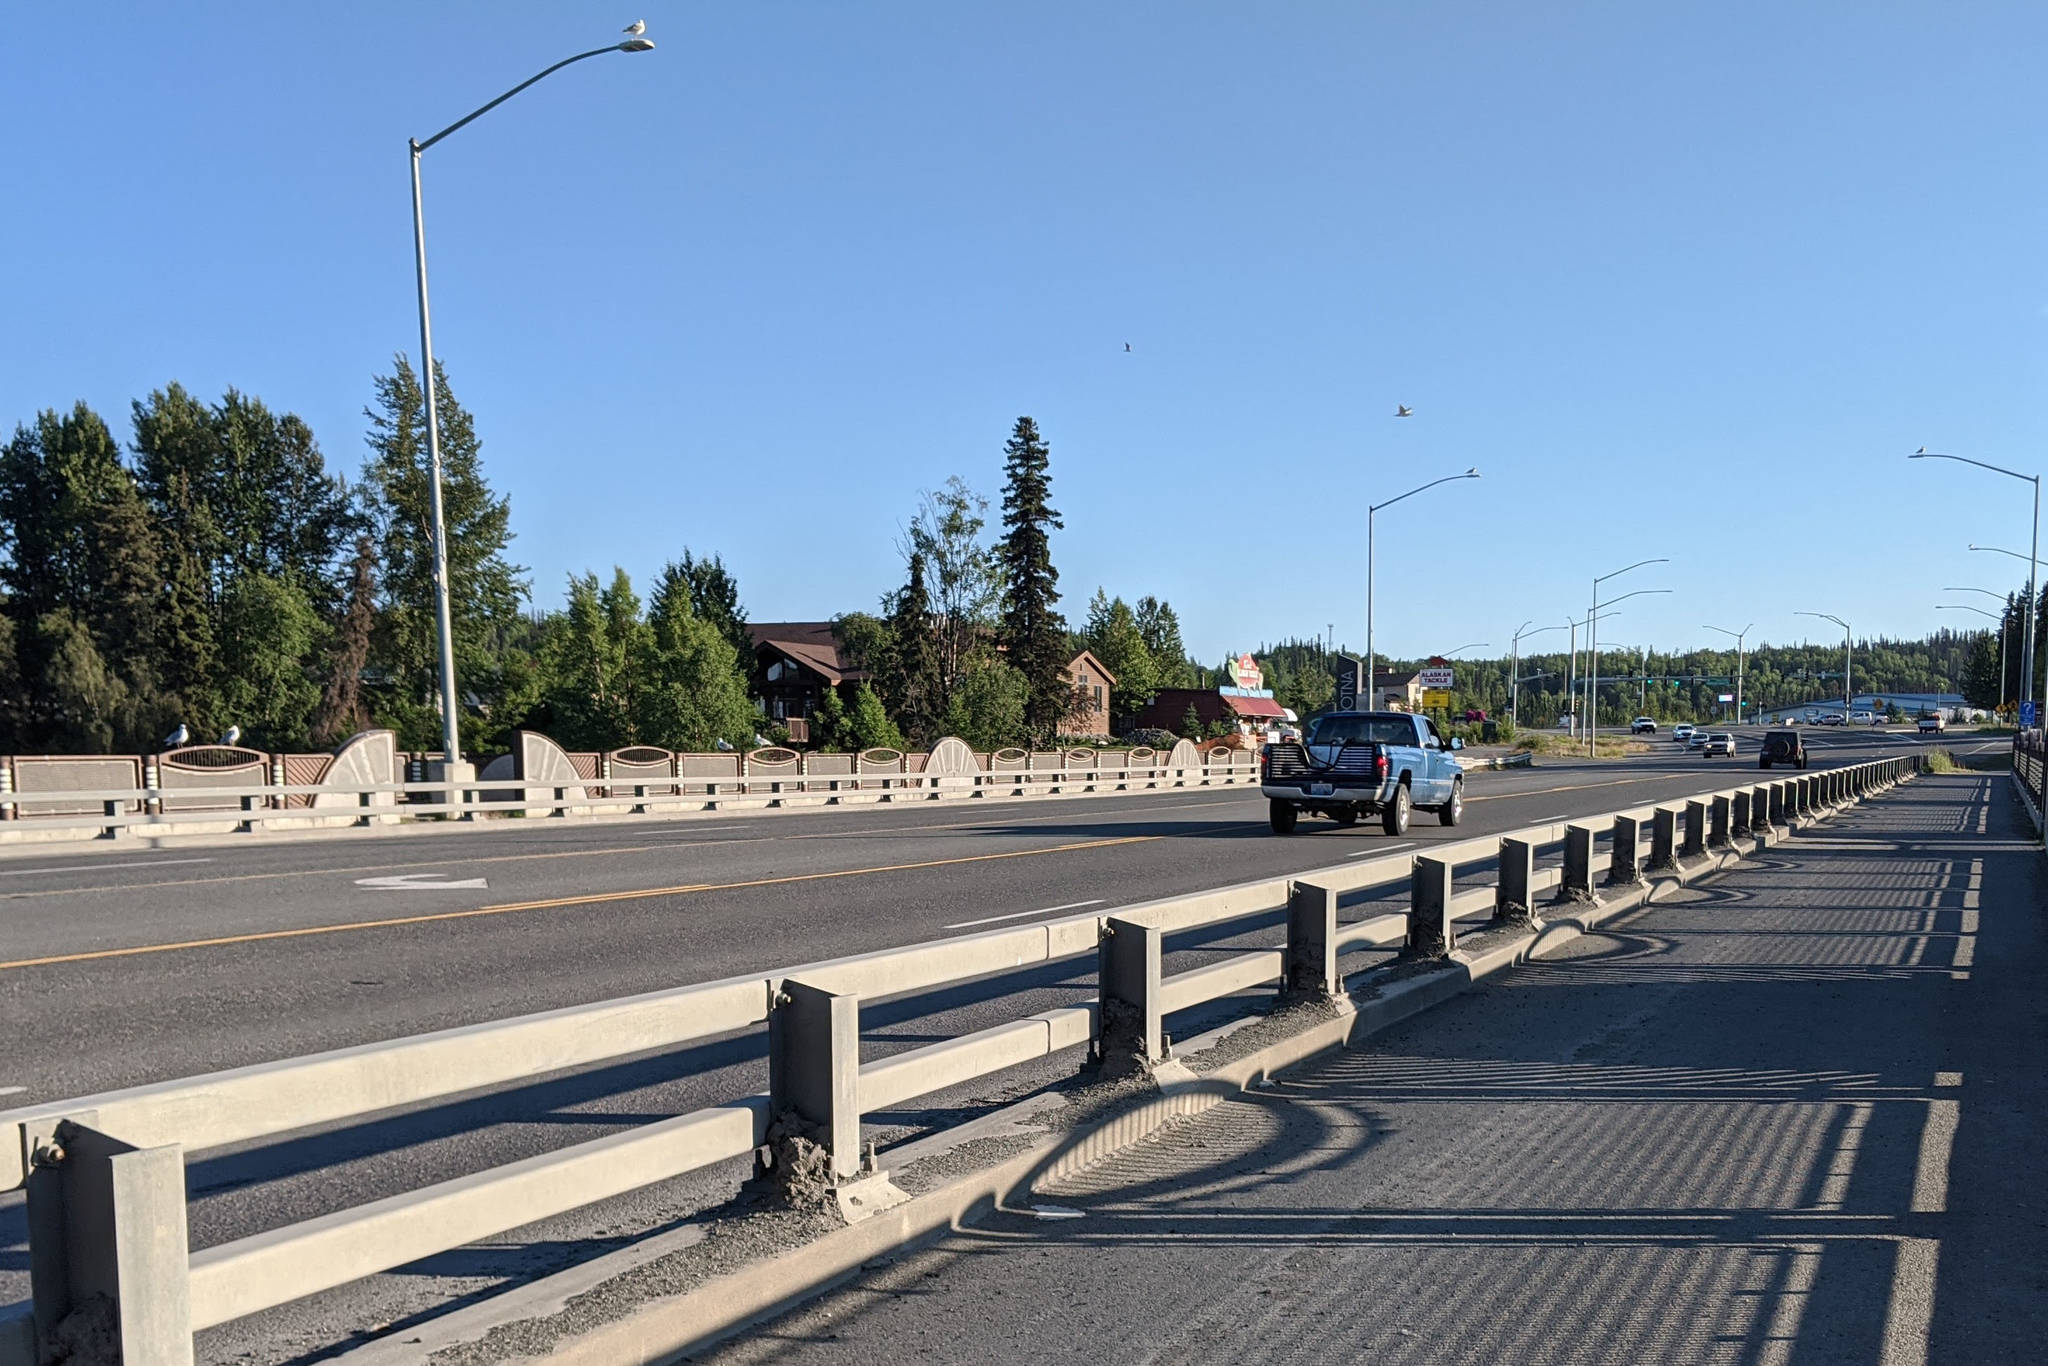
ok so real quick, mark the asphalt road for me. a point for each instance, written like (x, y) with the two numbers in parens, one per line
(131, 968)
(1787, 1116)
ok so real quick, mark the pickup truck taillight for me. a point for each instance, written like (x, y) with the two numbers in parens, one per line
(1379, 766)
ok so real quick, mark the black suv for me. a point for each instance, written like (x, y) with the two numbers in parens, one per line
(1782, 747)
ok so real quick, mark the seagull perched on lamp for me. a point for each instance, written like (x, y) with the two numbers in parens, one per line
(635, 29)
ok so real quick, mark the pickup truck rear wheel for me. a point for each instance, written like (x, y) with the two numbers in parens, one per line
(1453, 811)
(1282, 816)
(1394, 815)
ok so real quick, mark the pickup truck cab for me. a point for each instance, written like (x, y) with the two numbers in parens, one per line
(1643, 725)
(1363, 763)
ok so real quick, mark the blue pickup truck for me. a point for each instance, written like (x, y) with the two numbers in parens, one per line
(1363, 763)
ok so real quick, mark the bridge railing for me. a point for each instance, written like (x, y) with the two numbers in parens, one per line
(105, 1173)
(254, 807)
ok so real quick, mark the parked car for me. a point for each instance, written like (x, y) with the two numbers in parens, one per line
(1682, 732)
(1932, 723)
(1475, 714)
(1782, 747)
(1720, 742)
(1365, 763)
(1830, 718)
(1643, 725)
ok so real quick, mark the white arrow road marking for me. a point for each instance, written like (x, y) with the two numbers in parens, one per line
(420, 882)
(12, 1090)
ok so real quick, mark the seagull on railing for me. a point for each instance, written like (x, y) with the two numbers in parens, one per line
(724, 744)
(231, 736)
(181, 736)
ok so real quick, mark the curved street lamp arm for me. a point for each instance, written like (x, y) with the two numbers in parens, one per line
(1965, 460)
(1376, 507)
(1661, 559)
(1995, 550)
(1985, 591)
(1827, 616)
(1965, 607)
(1601, 607)
(479, 113)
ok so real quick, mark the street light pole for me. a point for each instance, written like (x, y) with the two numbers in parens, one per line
(2027, 614)
(1738, 665)
(2033, 559)
(1515, 669)
(444, 629)
(1848, 648)
(1370, 510)
(1593, 648)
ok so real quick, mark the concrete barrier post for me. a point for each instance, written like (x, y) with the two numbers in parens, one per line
(1130, 1031)
(1760, 808)
(1720, 819)
(1578, 864)
(1742, 817)
(1628, 843)
(1514, 898)
(106, 1226)
(1780, 804)
(1663, 839)
(1430, 931)
(1695, 829)
(1312, 941)
(814, 1071)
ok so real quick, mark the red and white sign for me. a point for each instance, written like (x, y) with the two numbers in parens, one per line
(1249, 676)
(1434, 677)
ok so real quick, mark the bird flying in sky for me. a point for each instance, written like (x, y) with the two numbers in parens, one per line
(1127, 346)
(1403, 410)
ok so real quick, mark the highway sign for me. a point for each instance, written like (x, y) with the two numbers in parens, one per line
(1436, 678)
(1435, 699)
(2027, 715)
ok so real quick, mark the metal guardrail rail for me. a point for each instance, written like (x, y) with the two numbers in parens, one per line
(105, 1173)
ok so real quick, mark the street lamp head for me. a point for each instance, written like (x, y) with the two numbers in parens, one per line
(637, 45)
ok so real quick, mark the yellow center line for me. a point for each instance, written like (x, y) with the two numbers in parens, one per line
(552, 903)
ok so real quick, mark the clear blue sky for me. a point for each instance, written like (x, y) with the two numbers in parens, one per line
(1682, 279)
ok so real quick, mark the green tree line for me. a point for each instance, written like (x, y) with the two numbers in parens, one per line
(216, 575)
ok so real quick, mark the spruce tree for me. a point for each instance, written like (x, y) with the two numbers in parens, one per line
(715, 595)
(868, 725)
(1114, 638)
(1033, 631)
(911, 684)
(341, 712)
(485, 588)
(695, 690)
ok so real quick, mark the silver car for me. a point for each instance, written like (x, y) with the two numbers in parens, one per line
(1720, 742)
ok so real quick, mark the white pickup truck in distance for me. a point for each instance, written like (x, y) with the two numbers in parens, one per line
(1362, 763)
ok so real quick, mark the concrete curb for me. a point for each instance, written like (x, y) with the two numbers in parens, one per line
(670, 1329)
